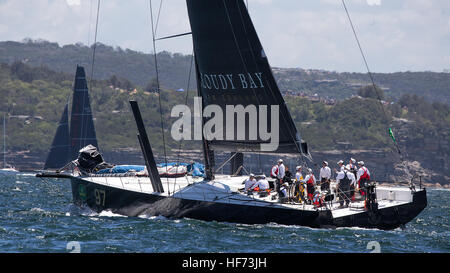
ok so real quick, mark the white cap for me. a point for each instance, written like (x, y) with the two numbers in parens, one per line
(361, 163)
(326, 163)
(353, 160)
(310, 170)
(298, 167)
(280, 160)
(252, 175)
(263, 176)
(340, 162)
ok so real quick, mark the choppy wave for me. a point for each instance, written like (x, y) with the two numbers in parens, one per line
(41, 218)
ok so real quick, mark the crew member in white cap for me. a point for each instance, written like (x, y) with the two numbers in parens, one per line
(250, 183)
(325, 176)
(362, 178)
(298, 174)
(280, 174)
(352, 166)
(262, 184)
(341, 166)
(299, 185)
(345, 179)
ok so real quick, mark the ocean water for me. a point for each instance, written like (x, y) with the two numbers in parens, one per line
(37, 216)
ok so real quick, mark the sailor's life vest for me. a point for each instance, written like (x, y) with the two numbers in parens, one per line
(310, 187)
(365, 175)
(363, 180)
(310, 180)
(317, 201)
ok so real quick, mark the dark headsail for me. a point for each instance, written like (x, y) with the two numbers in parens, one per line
(59, 153)
(82, 131)
(232, 69)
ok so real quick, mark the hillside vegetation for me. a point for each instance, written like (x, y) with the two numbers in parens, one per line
(34, 97)
(139, 69)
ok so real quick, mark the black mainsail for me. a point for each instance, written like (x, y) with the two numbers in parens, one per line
(82, 130)
(59, 153)
(233, 70)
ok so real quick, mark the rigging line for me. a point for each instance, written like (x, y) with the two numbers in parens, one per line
(286, 119)
(68, 123)
(159, 13)
(173, 36)
(367, 67)
(269, 86)
(92, 71)
(237, 45)
(185, 103)
(90, 22)
(158, 86)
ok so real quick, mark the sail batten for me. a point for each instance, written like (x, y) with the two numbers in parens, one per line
(233, 70)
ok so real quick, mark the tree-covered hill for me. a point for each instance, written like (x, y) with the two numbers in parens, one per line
(135, 66)
(33, 99)
(139, 69)
(434, 87)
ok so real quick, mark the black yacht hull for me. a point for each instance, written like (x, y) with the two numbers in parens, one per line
(101, 197)
(130, 203)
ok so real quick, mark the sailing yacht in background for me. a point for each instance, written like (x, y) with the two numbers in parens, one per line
(6, 167)
(69, 140)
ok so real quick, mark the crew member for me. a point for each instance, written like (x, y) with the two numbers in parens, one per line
(280, 174)
(362, 178)
(283, 190)
(310, 181)
(325, 176)
(341, 166)
(287, 176)
(298, 174)
(299, 192)
(262, 184)
(318, 199)
(344, 180)
(250, 183)
(352, 166)
(274, 171)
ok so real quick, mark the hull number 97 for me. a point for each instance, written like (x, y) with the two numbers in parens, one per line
(100, 196)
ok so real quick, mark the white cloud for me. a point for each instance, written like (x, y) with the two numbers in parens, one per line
(374, 2)
(73, 2)
(396, 36)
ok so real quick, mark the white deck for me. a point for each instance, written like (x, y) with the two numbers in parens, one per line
(228, 190)
(142, 184)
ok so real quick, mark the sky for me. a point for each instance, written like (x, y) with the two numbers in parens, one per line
(396, 35)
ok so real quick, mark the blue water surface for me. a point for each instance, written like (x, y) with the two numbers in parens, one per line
(38, 216)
